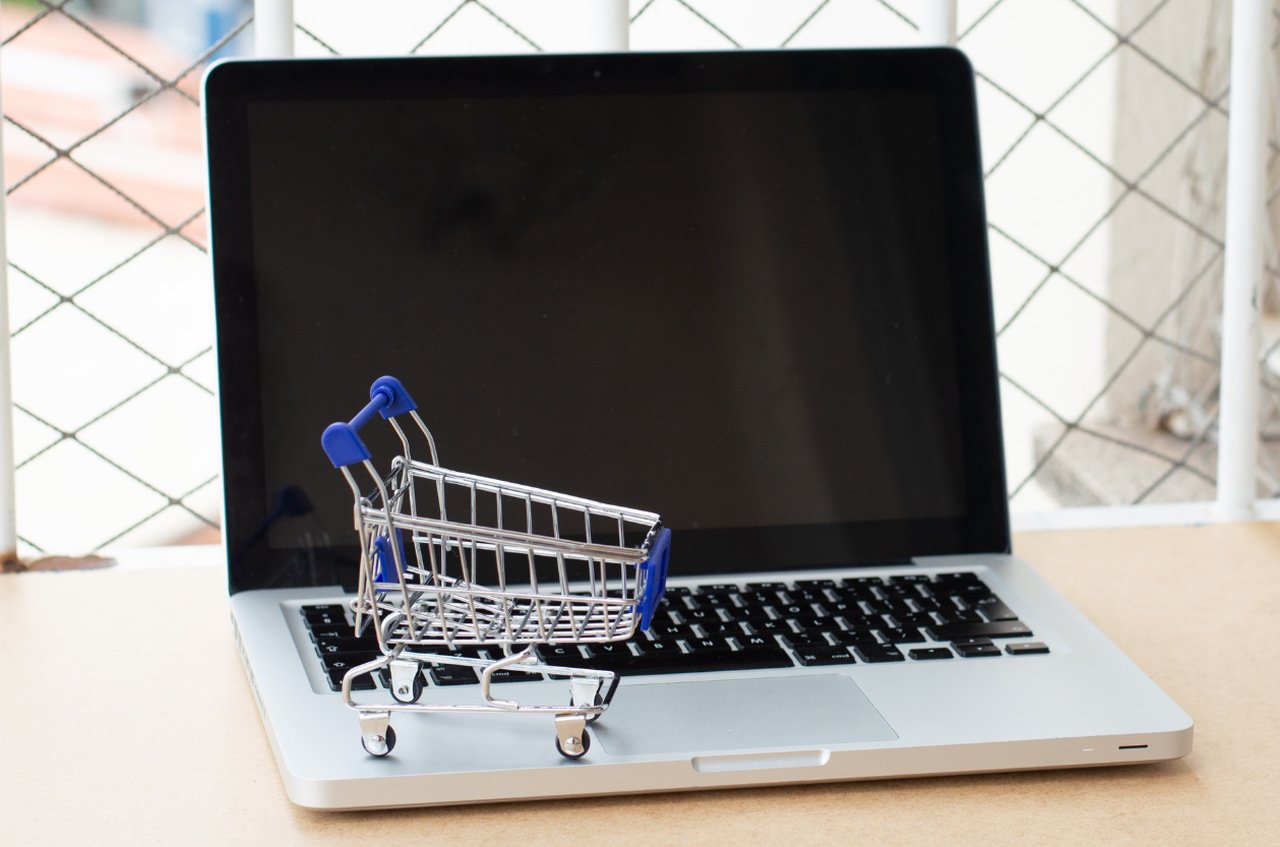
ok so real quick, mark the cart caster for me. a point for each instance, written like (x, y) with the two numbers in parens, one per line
(574, 748)
(572, 739)
(406, 682)
(376, 733)
(379, 745)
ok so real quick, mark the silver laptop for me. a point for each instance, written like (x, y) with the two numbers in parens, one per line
(746, 290)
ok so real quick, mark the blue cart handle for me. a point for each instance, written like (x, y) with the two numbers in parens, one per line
(341, 441)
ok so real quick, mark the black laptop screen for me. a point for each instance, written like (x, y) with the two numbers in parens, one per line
(731, 301)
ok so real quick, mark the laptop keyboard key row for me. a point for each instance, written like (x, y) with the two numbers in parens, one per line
(729, 627)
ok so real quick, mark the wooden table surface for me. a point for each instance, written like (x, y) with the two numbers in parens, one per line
(110, 735)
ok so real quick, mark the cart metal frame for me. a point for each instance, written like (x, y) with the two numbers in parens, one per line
(564, 570)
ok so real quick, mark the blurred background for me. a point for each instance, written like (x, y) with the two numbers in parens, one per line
(1104, 134)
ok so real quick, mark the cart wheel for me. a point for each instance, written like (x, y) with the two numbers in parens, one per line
(388, 743)
(418, 686)
(583, 747)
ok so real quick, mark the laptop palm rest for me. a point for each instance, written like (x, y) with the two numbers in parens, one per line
(795, 712)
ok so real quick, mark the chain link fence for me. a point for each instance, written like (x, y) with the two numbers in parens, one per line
(1104, 138)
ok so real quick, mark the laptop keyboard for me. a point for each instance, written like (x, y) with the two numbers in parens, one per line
(755, 626)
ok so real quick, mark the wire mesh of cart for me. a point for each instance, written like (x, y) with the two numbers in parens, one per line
(452, 561)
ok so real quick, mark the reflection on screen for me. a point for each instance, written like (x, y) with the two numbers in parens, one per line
(732, 309)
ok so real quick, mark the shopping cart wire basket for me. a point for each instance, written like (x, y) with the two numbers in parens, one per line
(451, 561)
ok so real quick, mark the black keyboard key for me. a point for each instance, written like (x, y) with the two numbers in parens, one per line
(506, 675)
(770, 626)
(718, 626)
(767, 586)
(915, 619)
(930, 653)
(958, 577)
(862, 582)
(333, 631)
(815, 583)
(749, 658)
(812, 656)
(561, 654)
(976, 649)
(756, 658)
(966, 616)
(453, 675)
(646, 647)
(994, 610)
(1026, 648)
(609, 650)
(710, 643)
(878, 653)
(328, 613)
(757, 599)
(902, 635)
(324, 609)
(853, 638)
(794, 610)
(363, 682)
(663, 617)
(988, 629)
(927, 604)
(345, 644)
(748, 642)
(815, 623)
(346, 661)
(709, 601)
(672, 631)
(460, 652)
(868, 622)
(898, 608)
(802, 640)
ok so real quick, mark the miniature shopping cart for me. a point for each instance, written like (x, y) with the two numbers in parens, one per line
(452, 562)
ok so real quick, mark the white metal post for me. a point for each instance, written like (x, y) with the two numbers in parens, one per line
(1242, 271)
(273, 29)
(8, 528)
(938, 22)
(591, 26)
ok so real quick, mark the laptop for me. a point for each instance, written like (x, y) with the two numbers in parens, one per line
(748, 291)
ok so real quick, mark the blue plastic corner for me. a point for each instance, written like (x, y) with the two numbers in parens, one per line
(385, 560)
(399, 403)
(655, 568)
(342, 445)
(381, 555)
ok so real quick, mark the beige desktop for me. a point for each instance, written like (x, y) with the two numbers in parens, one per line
(109, 735)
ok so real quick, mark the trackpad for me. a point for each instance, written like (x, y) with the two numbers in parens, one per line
(739, 714)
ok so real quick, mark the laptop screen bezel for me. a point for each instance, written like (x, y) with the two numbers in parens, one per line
(231, 87)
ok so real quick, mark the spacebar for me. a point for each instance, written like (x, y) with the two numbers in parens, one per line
(707, 660)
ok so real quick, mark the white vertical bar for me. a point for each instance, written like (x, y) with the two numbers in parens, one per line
(273, 29)
(938, 22)
(1245, 208)
(8, 529)
(591, 26)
